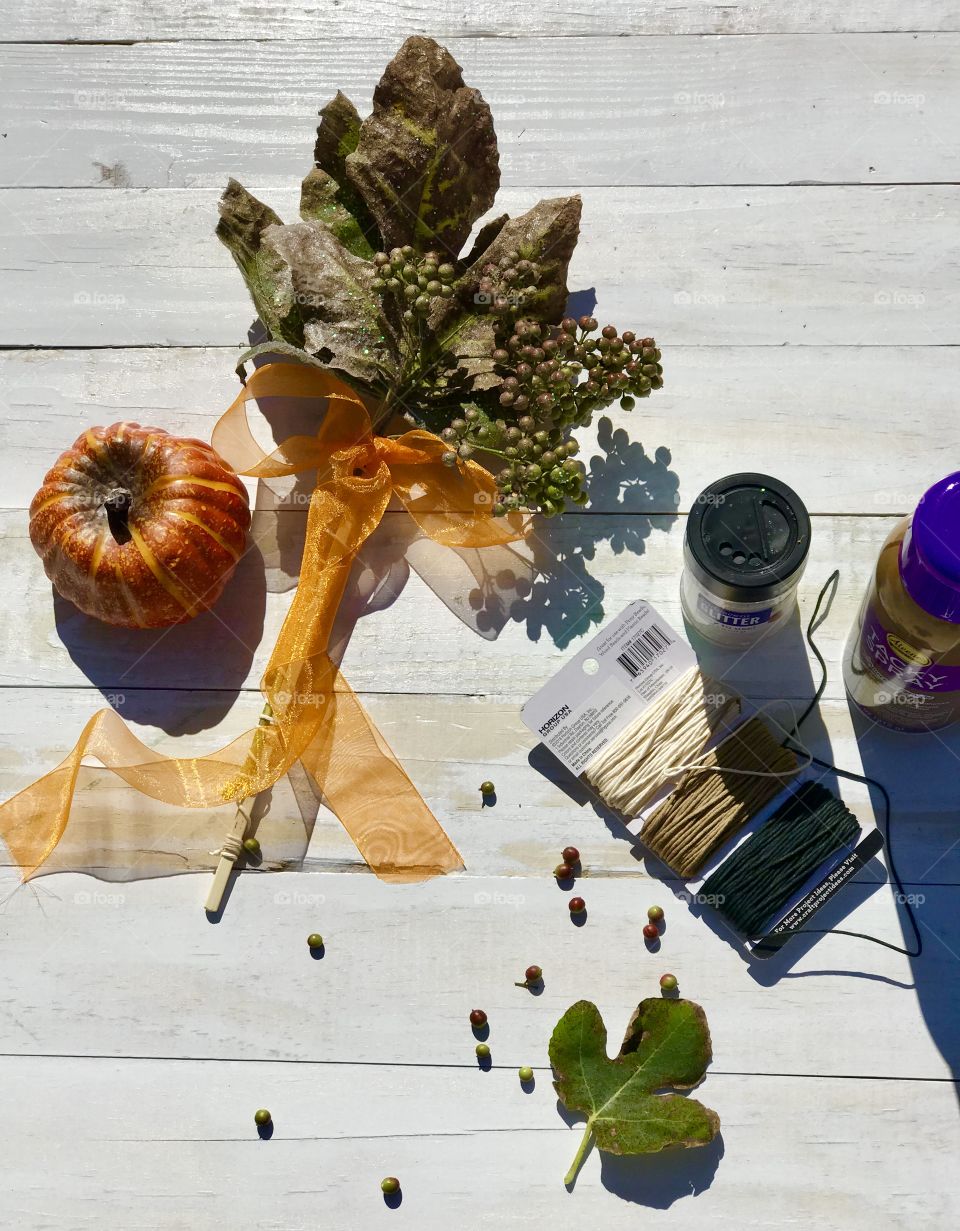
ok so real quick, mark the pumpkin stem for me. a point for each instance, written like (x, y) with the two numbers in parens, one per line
(118, 504)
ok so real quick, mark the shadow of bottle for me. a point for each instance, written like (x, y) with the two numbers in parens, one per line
(919, 772)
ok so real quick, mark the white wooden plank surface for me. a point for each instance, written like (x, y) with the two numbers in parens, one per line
(593, 566)
(783, 109)
(809, 331)
(448, 745)
(403, 967)
(470, 1149)
(713, 266)
(797, 412)
(128, 20)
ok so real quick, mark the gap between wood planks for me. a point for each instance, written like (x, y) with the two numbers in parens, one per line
(553, 186)
(478, 35)
(429, 1064)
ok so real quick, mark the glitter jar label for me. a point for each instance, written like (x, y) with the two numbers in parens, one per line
(902, 663)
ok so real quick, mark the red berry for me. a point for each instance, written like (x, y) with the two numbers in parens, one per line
(577, 906)
(533, 974)
(651, 932)
(570, 854)
(668, 983)
(478, 1017)
(563, 872)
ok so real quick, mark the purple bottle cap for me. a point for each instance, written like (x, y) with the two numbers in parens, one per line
(930, 552)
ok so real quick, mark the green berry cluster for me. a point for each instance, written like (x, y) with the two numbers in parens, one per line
(568, 373)
(540, 472)
(508, 285)
(413, 280)
(551, 380)
(470, 431)
(546, 379)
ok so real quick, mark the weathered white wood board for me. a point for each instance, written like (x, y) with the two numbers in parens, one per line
(405, 640)
(709, 266)
(404, 966)
(809, 330)
(448, 745)
(875, 108)
(143, 1147)
(171, 20)
(795, 412)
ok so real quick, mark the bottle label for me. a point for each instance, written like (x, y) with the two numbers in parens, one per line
(911, 667)
(898, 683)
(732, 619)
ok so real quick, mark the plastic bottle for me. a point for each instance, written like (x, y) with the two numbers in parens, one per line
(902, 662)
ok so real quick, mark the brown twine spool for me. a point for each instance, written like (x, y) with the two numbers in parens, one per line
(717, 797)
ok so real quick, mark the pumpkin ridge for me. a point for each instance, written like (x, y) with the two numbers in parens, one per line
(165, 480)
(51, 500)
(160, 573)
(127, 595)
(195, 521)
(97, 553)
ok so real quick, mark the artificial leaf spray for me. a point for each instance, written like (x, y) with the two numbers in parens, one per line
(375, 283)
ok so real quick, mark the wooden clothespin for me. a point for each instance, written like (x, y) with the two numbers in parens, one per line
(233, 842)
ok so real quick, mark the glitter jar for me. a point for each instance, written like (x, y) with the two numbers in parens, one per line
(744, 553)
(902, 662)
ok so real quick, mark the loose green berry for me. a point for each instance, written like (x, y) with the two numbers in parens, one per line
(262, 1117)
(483, 1051)
(390, 1185)
(654, 913)
(525, 1072)
(251, 846)
(668, 983)
(315, 940)
(478, 1018)
(487, 788)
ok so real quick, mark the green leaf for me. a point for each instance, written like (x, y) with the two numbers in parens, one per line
(243, 221)
(667, 1045)
(332, 288)
(426, 164)
(326, 195)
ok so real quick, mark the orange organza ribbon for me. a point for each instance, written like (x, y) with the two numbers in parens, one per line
(317, 718)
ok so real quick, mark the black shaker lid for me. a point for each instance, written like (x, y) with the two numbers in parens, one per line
(747, 538)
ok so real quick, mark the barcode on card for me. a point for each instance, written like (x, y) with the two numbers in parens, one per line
(643, 649)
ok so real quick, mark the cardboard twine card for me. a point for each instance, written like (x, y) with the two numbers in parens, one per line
(607, 684)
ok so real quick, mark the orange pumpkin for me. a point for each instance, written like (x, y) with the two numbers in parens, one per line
(138, 527)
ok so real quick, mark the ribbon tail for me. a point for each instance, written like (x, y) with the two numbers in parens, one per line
(326, 727)
(374, 799)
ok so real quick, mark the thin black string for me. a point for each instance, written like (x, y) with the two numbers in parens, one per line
(820, 613)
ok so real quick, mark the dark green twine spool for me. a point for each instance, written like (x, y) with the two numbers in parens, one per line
(759, 878)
